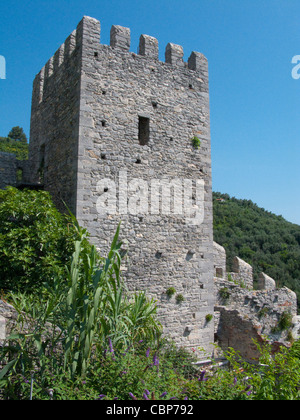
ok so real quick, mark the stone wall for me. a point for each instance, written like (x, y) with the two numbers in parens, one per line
(8, 170)
(53, 148)
(113, 128)
(243, 314)
(219, 261)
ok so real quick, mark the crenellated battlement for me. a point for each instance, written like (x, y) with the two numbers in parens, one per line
(88, 32)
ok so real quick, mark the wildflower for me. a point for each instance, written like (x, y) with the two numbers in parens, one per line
(132, 396)
(235, 381)
(147, 392)
(110, 346)
(141, 341)
(101, 396)
(202, 376)
(155, 360)
(145, 396)
(163, 394)
(148, 352)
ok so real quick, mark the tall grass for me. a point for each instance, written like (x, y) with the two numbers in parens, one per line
(79, 316)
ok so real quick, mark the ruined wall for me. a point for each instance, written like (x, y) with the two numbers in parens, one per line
(243, 314)
(8, 170)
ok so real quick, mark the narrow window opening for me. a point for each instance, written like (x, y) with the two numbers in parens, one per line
(103, 123)
(103, 156)
(95, 54)
(154, 104)
(41, 170)
(138, 161)
(103, 92)
(105, 189)
(144, 130)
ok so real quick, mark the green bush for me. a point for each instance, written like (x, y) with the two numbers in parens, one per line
(170, 292)
(196, 142)
(82, 319)
(36, 240)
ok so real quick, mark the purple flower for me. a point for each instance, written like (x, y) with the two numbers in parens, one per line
(145, 396)
(101, 396)
(132, 396)
(141, 341)
(163, 394)
(110, 346)
(235, 381)
(155, 360)
(148, 352)
(202, 376)
(186, 398)
(147, 392)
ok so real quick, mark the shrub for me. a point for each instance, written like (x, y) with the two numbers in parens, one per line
(224, 293)
(95, 314)
(36, 240)
(170, 292)
(209, 317)
(196, 142)
(179, 298)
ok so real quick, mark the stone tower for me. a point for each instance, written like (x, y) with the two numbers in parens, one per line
(111, 136)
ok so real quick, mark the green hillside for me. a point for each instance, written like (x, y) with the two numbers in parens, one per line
(266, 241)
(16, 143)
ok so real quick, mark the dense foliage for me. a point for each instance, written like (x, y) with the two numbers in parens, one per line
(36, 241)
(266, 241)
(82, 335)
(16, 143)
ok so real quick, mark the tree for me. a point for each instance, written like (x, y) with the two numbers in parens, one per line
(17, 134)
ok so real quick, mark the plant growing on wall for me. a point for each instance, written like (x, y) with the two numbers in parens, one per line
(179, 298)
(196, 142)
(170, 292)
(224, 293)
(209, 317)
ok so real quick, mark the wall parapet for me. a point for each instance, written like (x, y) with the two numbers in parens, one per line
(88, 32)
(238, 307)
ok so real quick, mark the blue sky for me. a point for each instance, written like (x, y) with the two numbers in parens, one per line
(255, 102)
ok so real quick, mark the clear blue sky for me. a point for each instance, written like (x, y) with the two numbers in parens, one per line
(255, 103)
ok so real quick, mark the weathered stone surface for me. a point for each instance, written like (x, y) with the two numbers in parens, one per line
(219, 261)
(8, 170)
(244, 272)
(243, 314)
(108, 124)
(2, 328)
(265, 282)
